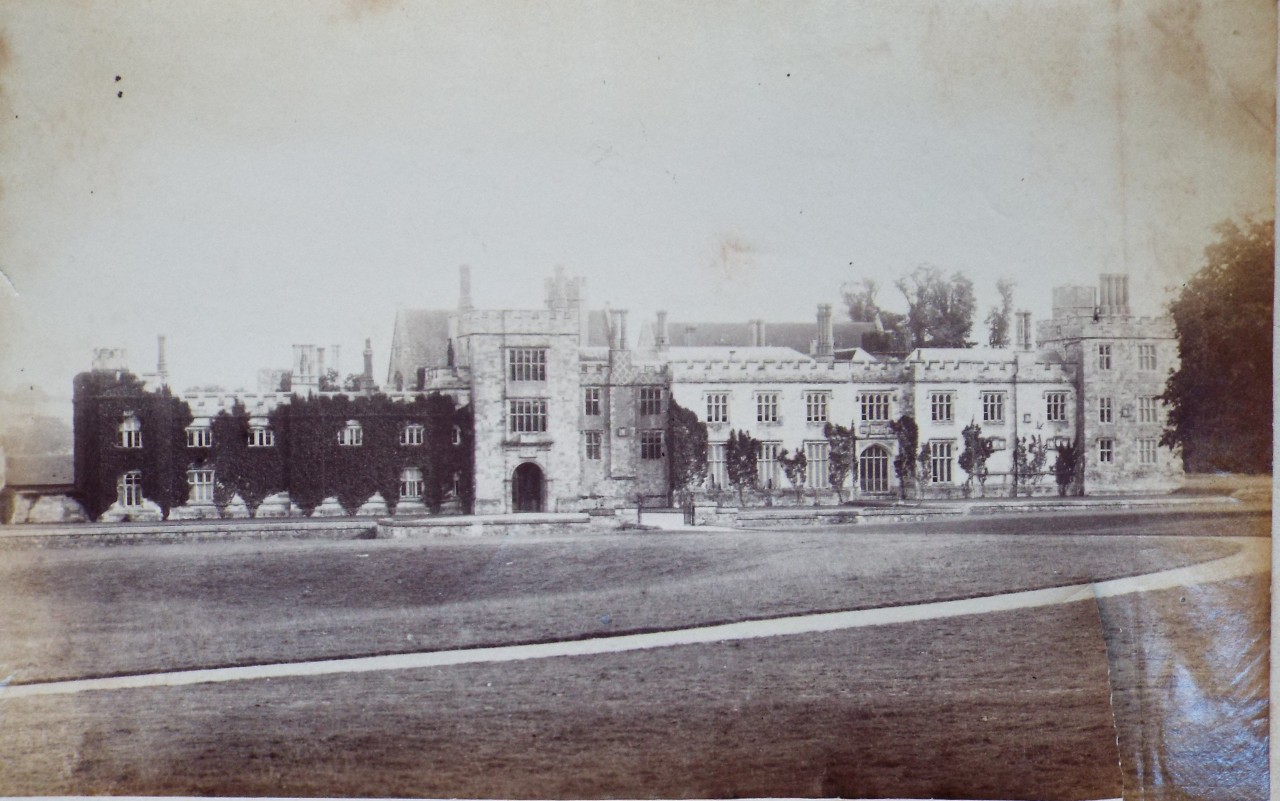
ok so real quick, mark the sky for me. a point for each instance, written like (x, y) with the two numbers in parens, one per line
(244, 176)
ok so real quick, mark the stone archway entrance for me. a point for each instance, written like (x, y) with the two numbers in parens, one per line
(527, 487)
(873, 470)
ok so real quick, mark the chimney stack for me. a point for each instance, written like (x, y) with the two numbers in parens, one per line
(1114, 294)
(757, 333)
(464, 287)
(162, 367)
(1024, 331)
(320, 365)
(618, 329)
(826, 346)
(368, 362)
(660, 335)
(336, 350)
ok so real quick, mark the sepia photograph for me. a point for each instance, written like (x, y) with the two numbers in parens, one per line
(637, 400)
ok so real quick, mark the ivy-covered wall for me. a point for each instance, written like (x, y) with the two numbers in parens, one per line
(306, 460)
(102, 401)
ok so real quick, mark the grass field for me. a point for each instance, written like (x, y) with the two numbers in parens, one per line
(1009, 705)
(143, 608)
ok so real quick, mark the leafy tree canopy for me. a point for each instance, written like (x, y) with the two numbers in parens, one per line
(999, 317)
(1219, 399)
(939, 309)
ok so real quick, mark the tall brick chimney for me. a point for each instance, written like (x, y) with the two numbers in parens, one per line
(1114, 294)
(618, 329)
(660, 340)
(1023, 341)
(825, 351)
(162, 367)
(464, 287)
(757, 333)
(368, 361)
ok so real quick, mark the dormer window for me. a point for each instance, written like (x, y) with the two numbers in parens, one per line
(351, 435)
(129, 434)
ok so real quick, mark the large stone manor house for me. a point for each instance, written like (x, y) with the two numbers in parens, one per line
(571, 413)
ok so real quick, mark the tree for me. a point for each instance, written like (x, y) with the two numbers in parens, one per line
(794, 467)
(687, 451)
(1219, 398)
(939, 309)
(740, 456)
(999, 316)
(1038, 450)
(926, 471)
(1019, 461)
(973, 459)
(329, 381)
(1066, 466)
(842, 444)
(904, 461)
(861, 301)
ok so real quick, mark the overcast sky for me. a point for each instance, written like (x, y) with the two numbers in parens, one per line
(279, 173)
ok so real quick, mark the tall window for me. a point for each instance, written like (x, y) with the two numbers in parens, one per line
(1106, 449)
(873, 469)
(718, 407)
(1104, 410)
(201, 482)
(650, 401)
(411, 484)
(591, 401)
(875, 407)
(1146, 357)
(941, 407)
(199, 437)
(651, 444)
(767, 407)
(527, 364)
(591, 440)
(1104, 357)
(815, 407)
(1056, 407)
(351, 435)
(1147, 449)
(1148, 410)
(717, 475)
(527, 416)
(815, 474)
(767, 465)
(993, 407)
(129, 434)
(412, 434)
(129, 489)
(261, 437)
(940, 462)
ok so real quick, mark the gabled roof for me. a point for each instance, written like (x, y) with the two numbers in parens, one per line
(421, 339)
(597, 328)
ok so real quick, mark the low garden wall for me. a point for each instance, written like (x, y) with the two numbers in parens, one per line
(485, 525)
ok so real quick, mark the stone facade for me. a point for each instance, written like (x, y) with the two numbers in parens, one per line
(569, 417)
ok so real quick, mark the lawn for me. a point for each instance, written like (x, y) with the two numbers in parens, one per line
(1008, 705)
(102, 611)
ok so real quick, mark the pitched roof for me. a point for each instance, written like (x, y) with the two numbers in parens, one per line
(597, 328)
(421, 339)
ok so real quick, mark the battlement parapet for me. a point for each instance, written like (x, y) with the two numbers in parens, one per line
(723, 370)
(1084, 327)
(519, 321)
(989, 371)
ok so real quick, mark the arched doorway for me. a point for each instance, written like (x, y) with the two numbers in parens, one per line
(526, 488)
(873, 469)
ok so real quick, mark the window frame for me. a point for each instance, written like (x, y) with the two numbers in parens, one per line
(873, 406)
(199, 437)
(649, 401)
(1106, 450)
(527, 415)
(593, 445)
(408, 481)
(717, 408)
(351, 435)
(527, 364)
(129, 432)
(200, 491)
(1147, 359)
(652, 444)
(1055, 409)
(129, 489)
(592, 398)
(942, 401)
(1106, 410)
(993, 406)
(260, 436)
(1104, 355)
(413, 435)
(817, 403)
(768, 405)
(941, 454)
